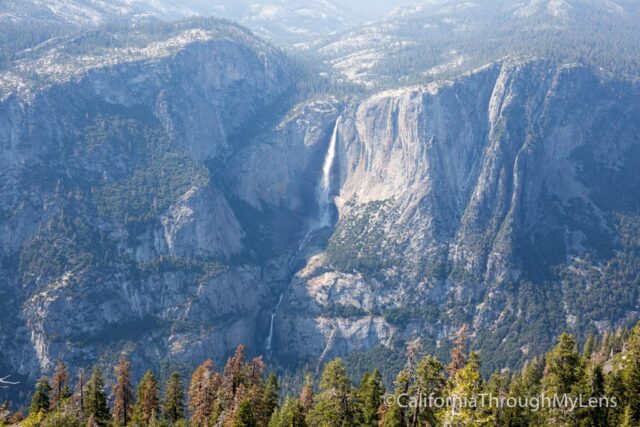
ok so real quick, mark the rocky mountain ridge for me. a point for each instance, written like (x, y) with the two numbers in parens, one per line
(105, 188)
(476, 201)
(159, 197)
(431, 41)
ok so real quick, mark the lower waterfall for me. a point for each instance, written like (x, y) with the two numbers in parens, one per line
(323, 199)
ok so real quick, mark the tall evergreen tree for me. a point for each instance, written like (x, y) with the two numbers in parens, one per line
(562, 375)
(631, 374)
(563, 367)
(306, 394)
(269, 400)
(147, 407)
(614, 389)
(78, 397)
(59, 385)
(95, 401)
(202, 390)
(597, 417)
(369, 399)
(458, 355)
(290, 415)
(173, 402)
(40, 400)
(467, 385)
(244, 416)
(524, 384)
(397, 415)
(334, 406)
(590, 345)
(498, 386)
(122, 394)
(234, 376)
(429, 381)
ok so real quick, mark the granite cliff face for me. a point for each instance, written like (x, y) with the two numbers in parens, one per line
(116, 232)
(159, 195)
(482, 200)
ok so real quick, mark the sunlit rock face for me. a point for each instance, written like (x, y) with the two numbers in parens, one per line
(160, 196)
(484, 200)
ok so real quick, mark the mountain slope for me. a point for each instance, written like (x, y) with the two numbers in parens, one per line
(445, 38)
(281, 21)
(115, 231)
(499, 199)
(164, 189)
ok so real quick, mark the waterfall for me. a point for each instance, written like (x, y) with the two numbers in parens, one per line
(273, 317)
(323, 195)
(324, 189)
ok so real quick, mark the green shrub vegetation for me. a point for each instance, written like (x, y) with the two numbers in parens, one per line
(159, 173)
(358, 242)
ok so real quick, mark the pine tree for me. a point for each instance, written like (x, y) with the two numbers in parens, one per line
(526, 383)
(562, 369)
(95, 401)
(40, 399)
(202, 391)
(59, 386)
(429, 381)
(244, 416)
(458, 356)
(79, 393)
(631, 374)
(614, 389)
(369, 399)
(255, 372)
(122, 393)
(597, 417)
(589, 347)
(515, 416)
(562, 375)
(306, 394)
(147, 406)
(532, 375)
(334, 404)
(269, 399)
(290, 415)
(498, 386)
(397, 415)
(173, 403)
(627, 419)
(467, 385)
(234, 376)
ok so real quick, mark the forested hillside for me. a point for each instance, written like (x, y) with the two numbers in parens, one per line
(597, 386)
(171, 190)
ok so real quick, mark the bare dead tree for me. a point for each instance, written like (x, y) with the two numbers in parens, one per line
(414, 349)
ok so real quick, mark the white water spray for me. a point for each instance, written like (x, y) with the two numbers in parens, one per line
(324, 189)
(273, 318)
(323, 194)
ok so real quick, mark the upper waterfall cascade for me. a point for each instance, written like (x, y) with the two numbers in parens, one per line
(324, 189)
(323, 194)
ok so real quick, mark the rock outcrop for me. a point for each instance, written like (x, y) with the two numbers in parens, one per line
(117, 234)
(480, 200)
(158, 196)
